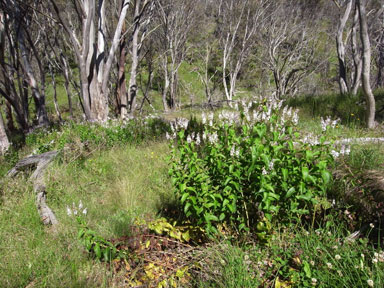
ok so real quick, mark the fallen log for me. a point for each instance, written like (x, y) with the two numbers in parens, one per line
(365, 140)
(40, 163)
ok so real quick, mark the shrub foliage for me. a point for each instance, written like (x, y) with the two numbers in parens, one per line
(245, 170)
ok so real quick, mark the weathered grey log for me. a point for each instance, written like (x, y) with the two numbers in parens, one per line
(40, 162)
(365, 140)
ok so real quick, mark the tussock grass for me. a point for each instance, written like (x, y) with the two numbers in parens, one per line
(116, 186)
(330, 259)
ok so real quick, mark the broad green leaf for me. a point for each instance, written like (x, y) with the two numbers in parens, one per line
(290, 192)
(97, 250)
(210, 217)
(307, 269)
(184, 197)
(186, 207)
(326, 176)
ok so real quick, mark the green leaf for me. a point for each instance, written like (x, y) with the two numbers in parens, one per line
(97, 250)
(273, 195)
(307, 269)
(285, 173)
(306, 197)
(184, 197)
(326, 176)
(209, 217)
(81, 233)
(242, 227)
(182, 187)
(185, 235)
(290, 192)
(186, 207)
(107, 254)
(305, 172)
(269, 187)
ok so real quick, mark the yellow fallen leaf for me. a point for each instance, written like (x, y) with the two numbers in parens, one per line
(282, 284)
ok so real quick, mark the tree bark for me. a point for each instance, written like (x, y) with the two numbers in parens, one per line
(370, 99)
(357, 63)
(93, 60)
(42, 116)
(343, 83)
(166, 84)
(380, 74)
(57, 109)
(66, 73)
(4, 142)
(135, 59)
(122, 97)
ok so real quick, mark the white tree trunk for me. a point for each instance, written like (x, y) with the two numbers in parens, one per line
(135, 59)
(370, 99)
(4, 143)
(166, 84)
(93, 61)
(358, 64)
(341, 48)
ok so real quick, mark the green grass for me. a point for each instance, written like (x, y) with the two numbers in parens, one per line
(116, 186)
(325, 254)
(120, 182)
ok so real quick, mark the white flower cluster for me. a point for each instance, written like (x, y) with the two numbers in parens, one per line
(194, 137)
(344, 150)
(311, 139)
(257, 110)
(267, 170)
(76, 210)
(123, 123)
(328, 123)
(229, 117)
(378, 257)
(207, 118)
(235, 152)
(177, 125)
(262, 111)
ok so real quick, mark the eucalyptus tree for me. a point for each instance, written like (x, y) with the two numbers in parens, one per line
(288, 46)
(85, 23)
(4, 142)
(142, 17)
(370, 99)
(175, 19)
(238, 23)
(345, 7)
(15, 82)
(377, 32)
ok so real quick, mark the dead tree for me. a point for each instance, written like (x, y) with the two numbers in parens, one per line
(345, 7)
(20, 24)
(175, 19)
(207, 76)
(21, 63)
(93, 59)
(370, 99)
(238, 23)
(4, 142)
(288, 47)
(356, 54)
(12, 78)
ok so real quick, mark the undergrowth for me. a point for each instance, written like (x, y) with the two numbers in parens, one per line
(134, 231)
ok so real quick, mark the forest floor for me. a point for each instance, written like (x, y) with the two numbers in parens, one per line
(125, 186)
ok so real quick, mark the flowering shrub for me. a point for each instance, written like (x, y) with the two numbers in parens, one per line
(247, 169)
(109, 134)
